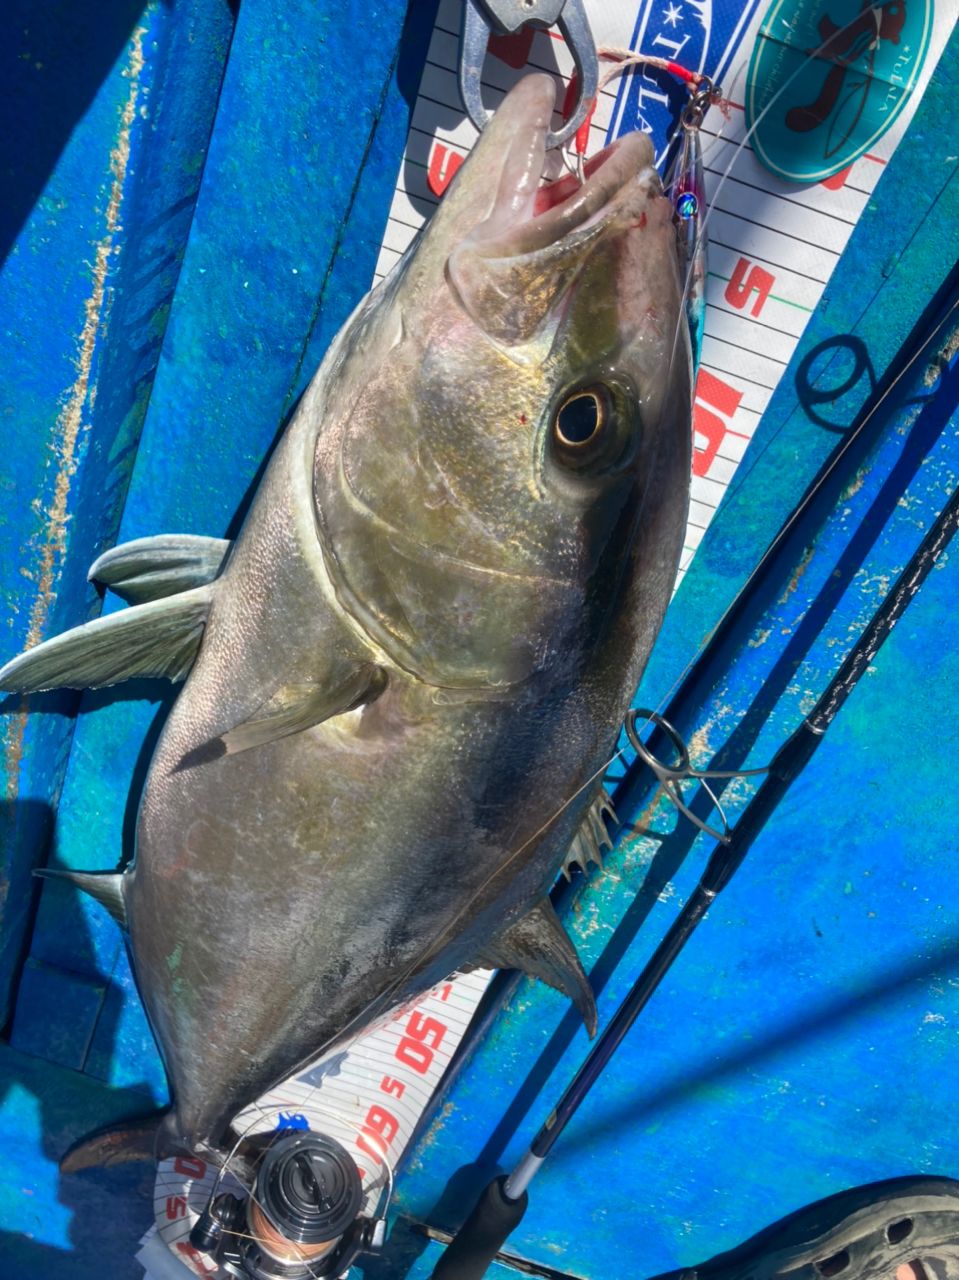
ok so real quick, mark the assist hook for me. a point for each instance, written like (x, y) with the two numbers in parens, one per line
(484, 18)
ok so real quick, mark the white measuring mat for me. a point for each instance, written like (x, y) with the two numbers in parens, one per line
(772, 248)
(772, 244)
(368, 1094)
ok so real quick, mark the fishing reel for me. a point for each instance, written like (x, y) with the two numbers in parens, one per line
(301, 1221)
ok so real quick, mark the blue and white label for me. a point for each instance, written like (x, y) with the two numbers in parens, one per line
(699, 35)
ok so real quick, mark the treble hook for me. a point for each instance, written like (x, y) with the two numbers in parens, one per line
(484, 18)
(671, 775)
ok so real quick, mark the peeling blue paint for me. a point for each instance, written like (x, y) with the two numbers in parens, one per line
(807, 1039)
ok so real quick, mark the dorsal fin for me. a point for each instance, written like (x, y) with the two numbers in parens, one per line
(151, 568)
(538, 945)
(105, 886)
(156, 639)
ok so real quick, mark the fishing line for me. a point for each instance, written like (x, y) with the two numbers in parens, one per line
(625, 60)
(636, 58)
(653, 717)
(437, 944)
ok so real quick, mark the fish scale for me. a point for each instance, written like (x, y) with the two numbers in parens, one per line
(394, 725)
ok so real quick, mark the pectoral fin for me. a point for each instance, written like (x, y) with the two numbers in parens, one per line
(539, 946)
(293, 708)
(105, 886)
(151, 568)
(160, 638)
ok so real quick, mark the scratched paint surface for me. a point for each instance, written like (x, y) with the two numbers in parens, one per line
(250, 319)
(770, 1068)
(241, 341)
(90, 267)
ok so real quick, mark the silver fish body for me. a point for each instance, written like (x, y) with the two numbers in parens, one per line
(411, 668)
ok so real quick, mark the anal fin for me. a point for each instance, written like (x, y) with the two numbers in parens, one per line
(153, 568)
(130, 1141)
(539, 946)
(105, 886)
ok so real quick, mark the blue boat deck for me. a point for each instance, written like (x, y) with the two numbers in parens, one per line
(181, 256)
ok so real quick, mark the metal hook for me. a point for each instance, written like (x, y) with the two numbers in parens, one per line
(670, 776)
(485, 17)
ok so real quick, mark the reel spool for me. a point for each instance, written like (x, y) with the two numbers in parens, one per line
(302, 1220)
(366, 1096)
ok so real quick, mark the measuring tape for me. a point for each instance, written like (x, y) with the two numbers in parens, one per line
(368, 1094)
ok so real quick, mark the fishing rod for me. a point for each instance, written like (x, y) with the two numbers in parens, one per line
(503, 1203)
(850, 453)
(498, 1212)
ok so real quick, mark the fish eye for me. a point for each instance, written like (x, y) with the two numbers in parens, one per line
(594, 429)
(582, 417)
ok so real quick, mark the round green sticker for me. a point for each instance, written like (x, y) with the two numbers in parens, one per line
(828, 77)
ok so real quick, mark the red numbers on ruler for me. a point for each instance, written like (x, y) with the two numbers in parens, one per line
(188, 1167)
(746, 280)
(422, 1037)
(394, 1087)
(443, 165)
(382, 1123)
(379, 1129)
(202, 1264)
(707, 424)
(418, 1046)
(175, 1207)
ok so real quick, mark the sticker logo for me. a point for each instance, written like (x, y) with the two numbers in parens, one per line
(828, 77)
(700, 35)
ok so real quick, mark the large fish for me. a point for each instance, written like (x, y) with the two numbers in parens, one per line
(405, 677)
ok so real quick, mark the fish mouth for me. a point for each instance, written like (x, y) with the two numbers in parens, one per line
(530, 214)
(514, 271)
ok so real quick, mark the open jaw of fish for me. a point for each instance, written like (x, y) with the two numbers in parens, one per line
(404, 679)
